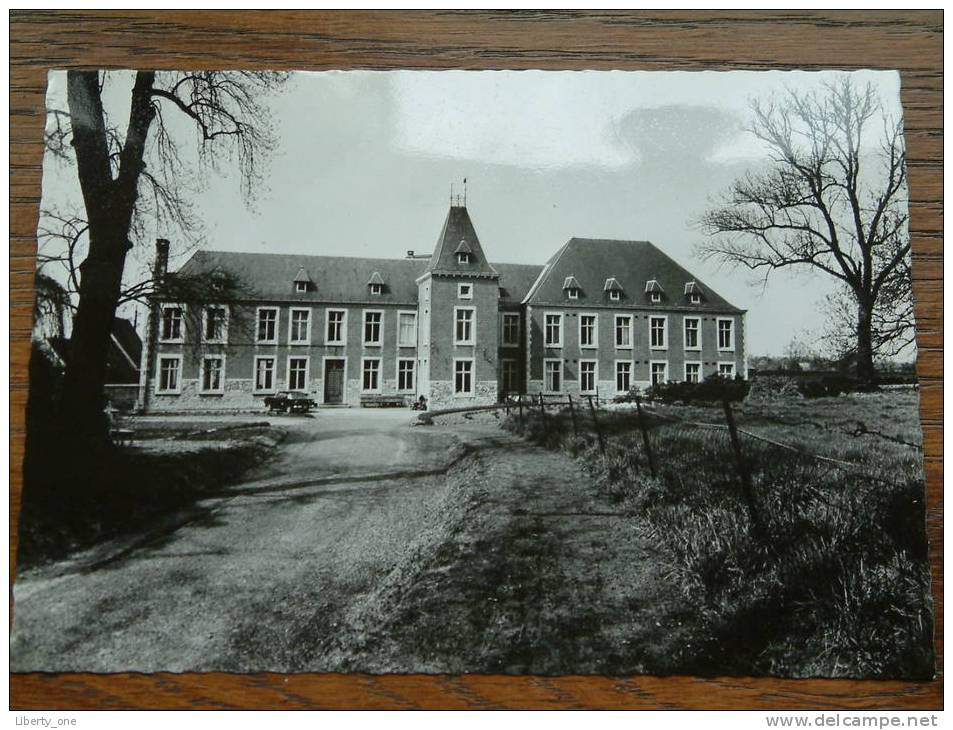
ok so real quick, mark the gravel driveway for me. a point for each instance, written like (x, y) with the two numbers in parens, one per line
(278, 556)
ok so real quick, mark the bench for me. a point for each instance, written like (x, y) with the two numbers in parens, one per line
(383, 401)
(121, 436)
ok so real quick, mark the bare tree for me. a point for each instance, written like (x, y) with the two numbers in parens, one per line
(827, 202)
(132, 173)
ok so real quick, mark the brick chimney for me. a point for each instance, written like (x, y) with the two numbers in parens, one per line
(162, 259)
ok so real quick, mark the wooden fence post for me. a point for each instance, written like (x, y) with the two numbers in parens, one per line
(645, 436)
(572, 413)
(747, 488)
(595, 424)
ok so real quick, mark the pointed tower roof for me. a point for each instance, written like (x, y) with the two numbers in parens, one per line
(459, 236)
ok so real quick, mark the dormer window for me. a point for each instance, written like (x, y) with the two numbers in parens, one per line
(614, 289)
(302, 282)
(655, 297)
(464, 252)
(693, 292)
(654, 290)
(376, 284)
(571, 287)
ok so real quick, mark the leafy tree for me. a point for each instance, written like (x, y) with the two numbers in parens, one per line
(133, 173)
(830, 201)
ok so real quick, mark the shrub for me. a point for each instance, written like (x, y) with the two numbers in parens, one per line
(714, 389)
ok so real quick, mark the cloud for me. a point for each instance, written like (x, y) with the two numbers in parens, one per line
(529, 119)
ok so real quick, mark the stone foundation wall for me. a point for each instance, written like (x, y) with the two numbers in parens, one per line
(442, 396)
(238, 396)
(606, 388)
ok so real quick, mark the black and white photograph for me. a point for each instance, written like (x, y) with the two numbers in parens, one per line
(474, 372)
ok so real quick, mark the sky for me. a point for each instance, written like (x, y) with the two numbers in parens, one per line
(365, 161)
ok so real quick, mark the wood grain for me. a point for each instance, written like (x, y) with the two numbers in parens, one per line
(653, 40)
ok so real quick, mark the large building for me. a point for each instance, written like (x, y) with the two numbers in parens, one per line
(600, 317)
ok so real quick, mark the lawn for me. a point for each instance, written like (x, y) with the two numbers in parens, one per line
(168, 469)
(822, 572)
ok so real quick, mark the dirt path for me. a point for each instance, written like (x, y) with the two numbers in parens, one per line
(541, 574)
(355, 551)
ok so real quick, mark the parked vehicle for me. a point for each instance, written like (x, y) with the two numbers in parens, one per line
(288, 401)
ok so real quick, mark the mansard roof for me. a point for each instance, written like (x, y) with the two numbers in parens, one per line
(335, 278)
(595, 261)
(459, 236)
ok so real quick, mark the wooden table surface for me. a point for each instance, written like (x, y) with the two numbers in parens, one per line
(909, 41)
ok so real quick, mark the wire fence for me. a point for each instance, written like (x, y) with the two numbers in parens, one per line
(658, 436)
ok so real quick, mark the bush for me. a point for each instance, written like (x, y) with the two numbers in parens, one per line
(714, 389)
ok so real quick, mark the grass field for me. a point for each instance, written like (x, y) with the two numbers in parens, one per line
(824, 574)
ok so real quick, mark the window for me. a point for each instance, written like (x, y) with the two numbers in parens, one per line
(300, 331)
(372, 328)
(213, 374)
(297, 373)
(407, 329)
(553, 330)
(615, 295)
(657, 335)
(572, 293)
(692, 341)
(623, 376)
(267, 325)
(265, 374)
(725, 335)
(216, 323)
(623, 331)
(655, 297)
(587, 376)
(170, 374)
(511, 376)
(337, 327)
(554, 375)
(726, 369)
(588, 334)
(463, 257)
(463, 329)
(692, 372)
(694, 298)
(370, 374)
(511, 330)
(405, 374)
(464, 291)
(301, 286)
(172, 329)
(659, 372)
(463, 377)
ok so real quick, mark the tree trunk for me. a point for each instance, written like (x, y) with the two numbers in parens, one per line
(865, 349)
(109, 207)
(83, 391)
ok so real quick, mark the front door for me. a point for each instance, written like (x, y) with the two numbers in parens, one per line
(334, 381)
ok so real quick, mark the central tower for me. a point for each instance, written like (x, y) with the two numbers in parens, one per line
(458, 332)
